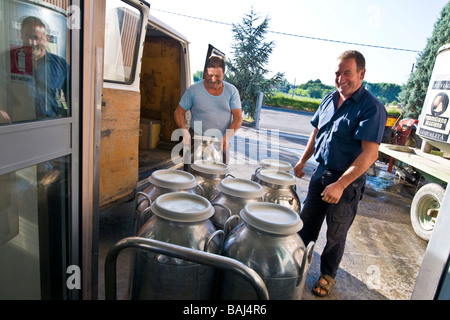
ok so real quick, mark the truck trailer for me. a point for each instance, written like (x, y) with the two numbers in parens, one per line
(432, 160)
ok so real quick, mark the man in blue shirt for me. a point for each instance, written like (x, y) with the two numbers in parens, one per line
(348, 128)
(38, 80)
(50, 72)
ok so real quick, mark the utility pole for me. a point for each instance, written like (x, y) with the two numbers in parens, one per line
(258, 109)
(293, 87)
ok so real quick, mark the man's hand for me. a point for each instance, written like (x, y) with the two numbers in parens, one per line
(298, 169)
(309, 151)
(186, 137)
(4, 117)
(333, 192)
(225, 143)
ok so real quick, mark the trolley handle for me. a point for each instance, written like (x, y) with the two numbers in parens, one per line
(169, 249)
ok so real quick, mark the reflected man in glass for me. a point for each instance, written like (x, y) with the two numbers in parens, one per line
(50, 72)
(36, 75)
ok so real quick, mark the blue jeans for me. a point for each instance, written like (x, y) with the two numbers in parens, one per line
(339, 216)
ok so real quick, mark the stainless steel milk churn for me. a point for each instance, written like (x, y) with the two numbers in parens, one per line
(181, 219)
(162, 182)
(267, 241)
(279, 187)
(234, 194)
(275, 164)
(208, 175)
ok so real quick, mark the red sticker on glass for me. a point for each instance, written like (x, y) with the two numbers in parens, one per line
(22, 60)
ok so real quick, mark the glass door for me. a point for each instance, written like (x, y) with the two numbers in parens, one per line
(39, 150)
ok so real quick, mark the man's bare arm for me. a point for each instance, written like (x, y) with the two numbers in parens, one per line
(308, 153)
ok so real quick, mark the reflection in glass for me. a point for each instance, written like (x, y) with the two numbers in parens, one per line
(34, 215)
(123, 24)
(34, 72)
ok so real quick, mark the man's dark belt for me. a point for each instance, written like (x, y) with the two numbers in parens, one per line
(334, 172)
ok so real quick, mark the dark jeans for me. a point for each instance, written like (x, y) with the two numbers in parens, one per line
(339, 216)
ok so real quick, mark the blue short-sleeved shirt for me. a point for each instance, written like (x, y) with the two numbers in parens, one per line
(338, 141)
(213, 112)
(47, 83)
(51, 76)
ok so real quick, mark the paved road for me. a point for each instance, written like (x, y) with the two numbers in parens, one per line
(287, 121)
(282, 133)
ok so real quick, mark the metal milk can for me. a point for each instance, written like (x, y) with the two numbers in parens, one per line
(275, 164)
(208, 175)
(162, 182)
(181, 219)
(234, 194)
(279, 187)
(267, 241)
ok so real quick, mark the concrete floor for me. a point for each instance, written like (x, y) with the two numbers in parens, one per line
(382, 257)
(383, 254)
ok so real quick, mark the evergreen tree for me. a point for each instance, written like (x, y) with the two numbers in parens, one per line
(246, 70)
(412, 96)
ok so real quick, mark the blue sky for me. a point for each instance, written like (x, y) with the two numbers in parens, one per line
(403, 24)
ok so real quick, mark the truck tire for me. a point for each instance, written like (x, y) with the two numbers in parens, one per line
(425, 208)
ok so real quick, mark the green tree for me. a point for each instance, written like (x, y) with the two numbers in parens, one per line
(198, 76)
(247, 69)
(414, 91)
(386, 92)
(313, 89)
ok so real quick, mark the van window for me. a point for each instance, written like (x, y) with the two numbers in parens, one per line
(123, 28)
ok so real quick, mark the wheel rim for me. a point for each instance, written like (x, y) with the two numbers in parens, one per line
(428, 212)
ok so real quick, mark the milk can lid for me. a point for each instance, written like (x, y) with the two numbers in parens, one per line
(173, 179)
(182, 207)
(211, 167)
(276, 177)
(271, 217)
(276, 164)
(242, 188)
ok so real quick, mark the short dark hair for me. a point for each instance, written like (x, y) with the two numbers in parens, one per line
(215, 62)
(353, 54)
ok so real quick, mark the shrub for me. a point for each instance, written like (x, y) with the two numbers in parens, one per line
(285, 101)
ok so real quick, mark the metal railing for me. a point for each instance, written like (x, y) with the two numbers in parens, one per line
(205, 258)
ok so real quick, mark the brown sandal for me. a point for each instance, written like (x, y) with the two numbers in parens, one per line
(324, 286)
